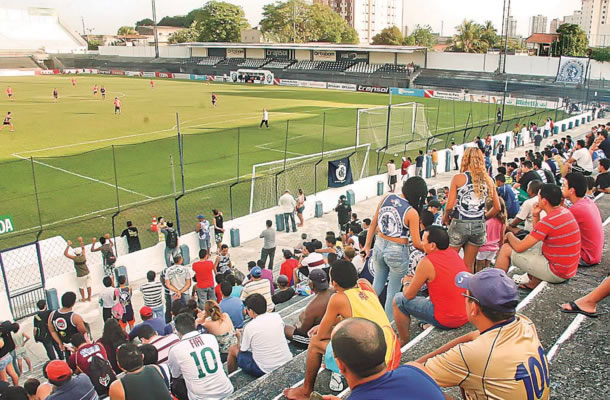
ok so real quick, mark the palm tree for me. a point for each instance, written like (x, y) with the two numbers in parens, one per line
(468, 38)
(489, 34)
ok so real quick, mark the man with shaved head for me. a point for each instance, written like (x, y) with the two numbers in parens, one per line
(359, 350)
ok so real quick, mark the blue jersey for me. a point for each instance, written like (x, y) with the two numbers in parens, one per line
(391, 217)
(510, 199)
(405, 382)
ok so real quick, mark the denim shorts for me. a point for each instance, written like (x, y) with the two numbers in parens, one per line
(246, 362)
(5, 361)
(418, 307)
(463, 232)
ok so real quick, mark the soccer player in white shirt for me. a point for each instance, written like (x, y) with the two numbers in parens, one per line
(197, 359)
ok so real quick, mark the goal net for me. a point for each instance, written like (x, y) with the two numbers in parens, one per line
(308, 172)
(394, 125)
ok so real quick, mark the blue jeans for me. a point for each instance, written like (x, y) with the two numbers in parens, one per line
(290, 216)
(205, 294)
(158, 312)
(418, 307)
(246, 362)
(391, 259)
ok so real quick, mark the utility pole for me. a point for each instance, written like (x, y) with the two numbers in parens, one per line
(294, 21)
(442, 26)
(505, 15)
(154, 13)
(82, 19)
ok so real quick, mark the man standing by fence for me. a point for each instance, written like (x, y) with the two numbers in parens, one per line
(82, 271)
(288, 205)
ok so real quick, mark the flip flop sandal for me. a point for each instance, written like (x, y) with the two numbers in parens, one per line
(576, 310)
(336, 382)
(423, 326)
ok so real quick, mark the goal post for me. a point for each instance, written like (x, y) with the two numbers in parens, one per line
(300, 172)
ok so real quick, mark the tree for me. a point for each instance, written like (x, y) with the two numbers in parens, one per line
(190, 34)
(126, 30)
(177, 20)
(295, 20)
(489, 34)
(421, 36)
(601, 54)
(389, 36)
(193, 16)
(93, 44)
(145, 22)
(221, 22)
(572, 41)
(468, 39)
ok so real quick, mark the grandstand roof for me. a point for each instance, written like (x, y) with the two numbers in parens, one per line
(308, 46)
(542, 38)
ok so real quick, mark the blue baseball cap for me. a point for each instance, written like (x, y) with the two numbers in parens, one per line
(491, 287)
(256, 272)
(200, 216)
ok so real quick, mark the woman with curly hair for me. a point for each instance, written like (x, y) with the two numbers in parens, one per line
(396, 218)
(465, 212)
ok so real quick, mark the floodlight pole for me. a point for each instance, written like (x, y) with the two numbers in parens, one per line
(154, 13)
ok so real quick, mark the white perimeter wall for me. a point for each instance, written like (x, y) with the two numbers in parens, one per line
(381, 58)
(522, 65)
(152, 258)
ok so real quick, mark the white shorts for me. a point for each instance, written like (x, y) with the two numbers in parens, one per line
(487, 255)
(83, 282)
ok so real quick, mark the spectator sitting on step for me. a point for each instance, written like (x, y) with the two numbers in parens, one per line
(590, 187)
(437, 270)
(602, 181)
(288, 266)
(266, 274)
(525, 213)
(552, 250)
(65, 386)
(354, 298)
(148, 335)
(587, 305)
(359, 350)
(284, 292)
(314, 311)
(81, 359)
(258, 285)
(217, 323)
(232, 305)
(262, 348)
(587, 215)
(495, 360)
(159, 325)
(308, 261)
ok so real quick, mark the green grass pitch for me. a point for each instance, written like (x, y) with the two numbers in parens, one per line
(78, 143)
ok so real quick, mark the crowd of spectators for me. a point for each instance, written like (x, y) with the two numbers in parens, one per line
(443, 256)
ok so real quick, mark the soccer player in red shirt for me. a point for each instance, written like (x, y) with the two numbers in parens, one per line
(73, 82)
(8, 122)
(9, 93)
(152, 84)
(214, 99)
(117, 106)
(94, 90)
(55, 95)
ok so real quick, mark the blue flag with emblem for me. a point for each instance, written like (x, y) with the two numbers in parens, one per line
(339, 173)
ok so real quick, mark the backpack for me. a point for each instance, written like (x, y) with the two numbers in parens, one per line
(101, 374)
(171, 240)
(118, 309)
(41, 330)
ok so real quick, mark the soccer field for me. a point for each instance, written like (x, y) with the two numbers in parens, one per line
(87, 159)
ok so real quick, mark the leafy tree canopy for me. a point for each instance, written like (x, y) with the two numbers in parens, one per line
(126, 30)
(220, 21)
(145, 22)
(572, 41)
(421, 36)
(177, 20)
(389, 36)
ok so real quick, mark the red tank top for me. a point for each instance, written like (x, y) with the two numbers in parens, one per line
(449, 306)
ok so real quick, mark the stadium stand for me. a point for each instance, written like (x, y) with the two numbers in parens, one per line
(364, 68)
(337, 66)
(17, 62)
(231, 61)
(399, 68)
(207, 60)
(254, 62)
(279, 64)
(306, 65)
(37, 29)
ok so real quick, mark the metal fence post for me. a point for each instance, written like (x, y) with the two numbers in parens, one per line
(236, 179)
(37, 199)
(315, 167)
(118, 202)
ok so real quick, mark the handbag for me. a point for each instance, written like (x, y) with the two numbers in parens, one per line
(117, 310)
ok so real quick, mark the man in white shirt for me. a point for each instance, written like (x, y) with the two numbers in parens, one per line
(263, 347)
(288, 206)
(196, 358)
(581, 160)
(265, 119)
(525, 213)
(308, 261)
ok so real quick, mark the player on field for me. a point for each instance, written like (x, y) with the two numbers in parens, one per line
(94, 90)
(8, 122)
(152, 84)
(103, 92)
(73, 82)
(9, 93)
(214, 99)
(117, 105)
(55, 95)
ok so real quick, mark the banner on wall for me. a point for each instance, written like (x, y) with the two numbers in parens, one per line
(195, 77)
(164, 75)
(341, 86)
(407, 92)
(133, 73)
(47, 72)
(281, 54)
(373, 89)
(312, 84)
(252, 76)
(288, 82)
(339, 173)
(117, 72)
(182, 76)
(352, 56)
(149, 74)
(572, 70)
(324, 55)
(236, 53)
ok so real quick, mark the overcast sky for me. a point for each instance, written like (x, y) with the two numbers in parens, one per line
(106, 16)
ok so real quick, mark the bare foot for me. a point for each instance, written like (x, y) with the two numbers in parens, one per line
(583, 305)
(298, 393)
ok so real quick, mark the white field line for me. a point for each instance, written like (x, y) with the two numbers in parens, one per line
(279, 151)
(85, 177)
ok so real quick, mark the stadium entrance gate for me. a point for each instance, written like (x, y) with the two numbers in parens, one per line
(23, 276)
